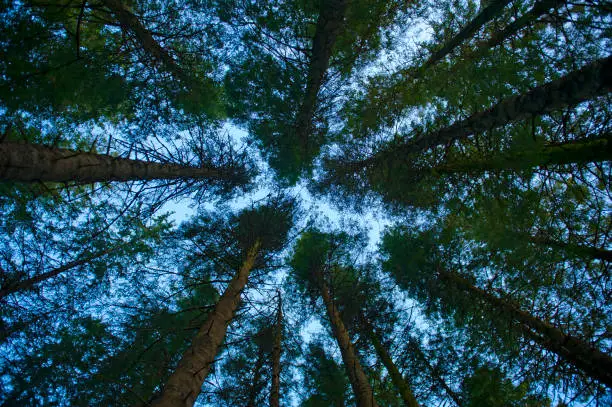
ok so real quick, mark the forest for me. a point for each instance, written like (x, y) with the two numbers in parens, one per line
(306, 203)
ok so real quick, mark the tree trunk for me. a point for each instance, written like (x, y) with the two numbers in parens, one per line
(276, 355)
(396, 377)
(131, 23)
(185, 383)
(30, 282)
(578, 249)
(24, 162)
(591, 81)
(539, 9)
(254, 390)
(359, 382)
(435, 374)
(575, 152)
(592, 361)
(329, 23)
(487, 14)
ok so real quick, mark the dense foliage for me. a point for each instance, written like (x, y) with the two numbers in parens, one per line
(318, 203)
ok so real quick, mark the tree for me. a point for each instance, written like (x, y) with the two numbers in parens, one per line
(448, 285)
(313, 272)
(254, 240)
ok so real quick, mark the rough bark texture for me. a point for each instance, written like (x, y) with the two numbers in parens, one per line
(131, 23)
(591, 81)
(396, 377)
(329, 24)
(184, 385)
(487, 14)
(592, 361)
(30, 282)
(276, 355)
(24, 162)
(359, 382)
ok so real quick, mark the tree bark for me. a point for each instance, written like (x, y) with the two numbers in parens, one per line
(185, 383)
(24, 162)
(131, 23)
(592, 361)
(30, 282)
(359, 382)
(492, 10)
(329, 24)
(578, 249)
(591, 81)
(574, 152)
(276, 355)
(396, 377)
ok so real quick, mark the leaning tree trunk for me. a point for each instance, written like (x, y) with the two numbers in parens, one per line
(329, 24)
(396, 377)
(131, 23)
(276, 355)
(591, 81)
(592, 361)
(24, 162)
(540, 8)
(583, 251)
(359, 382)
(435, 374)
(38, 278)
(491, 11)
(185, 383)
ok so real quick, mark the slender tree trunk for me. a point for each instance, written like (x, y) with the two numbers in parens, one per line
(184, 385)
(30, 282)
(592, 361)
(24, 162)
(540, 8)
(254, 390)
(329, 24)
(435, 374)
(131, 23)
(276, 356)
(396, 377)
(591, 81)
(491, 11)
(359, 382)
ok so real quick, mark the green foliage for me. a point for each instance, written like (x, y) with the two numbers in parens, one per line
(324, 380)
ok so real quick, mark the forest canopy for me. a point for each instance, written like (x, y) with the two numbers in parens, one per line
(324, 203)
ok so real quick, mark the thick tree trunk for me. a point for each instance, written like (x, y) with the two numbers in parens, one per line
(276, 355)
(255, 388)
(359, 382)
(396, 377)
(575, 152)
(329, 24)
(184, 385)
(131, 23)
(24, 162)
(591, 81)
(30, 282)
(592, 361)
(491, 11)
